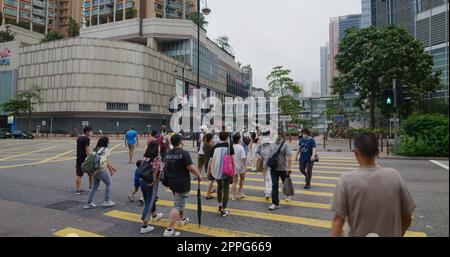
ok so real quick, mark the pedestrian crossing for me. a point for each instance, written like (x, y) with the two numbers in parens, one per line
(307, 208)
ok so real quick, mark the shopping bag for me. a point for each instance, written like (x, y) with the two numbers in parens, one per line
(288, 187)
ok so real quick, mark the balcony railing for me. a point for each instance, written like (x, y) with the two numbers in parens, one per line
(39, 3)
(38, 12)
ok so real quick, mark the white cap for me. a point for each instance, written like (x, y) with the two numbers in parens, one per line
(203, 127)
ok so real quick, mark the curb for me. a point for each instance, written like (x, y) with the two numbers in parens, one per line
(420, 158)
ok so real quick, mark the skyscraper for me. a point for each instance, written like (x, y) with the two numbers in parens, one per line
(366, 14)
(324, 81)
(338, 27)
(427, 21)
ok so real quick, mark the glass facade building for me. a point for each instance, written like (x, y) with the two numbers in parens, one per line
(7, 85)
(348, 21)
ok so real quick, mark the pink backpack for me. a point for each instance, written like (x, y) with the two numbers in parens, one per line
(227, 166)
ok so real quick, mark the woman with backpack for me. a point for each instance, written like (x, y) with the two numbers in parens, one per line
(222, 170)
(100, 174)
(308, 155)
(263, 153)
(149, 178)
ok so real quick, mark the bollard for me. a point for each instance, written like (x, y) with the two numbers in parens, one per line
(382, 141)
(324, 142)
(387, 145)
(350, 143)
(290, 138)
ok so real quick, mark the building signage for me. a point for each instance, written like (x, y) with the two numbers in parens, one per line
(10, 120)
(4, 56)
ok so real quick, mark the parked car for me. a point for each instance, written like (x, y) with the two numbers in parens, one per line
(4, 133)
(21, 135)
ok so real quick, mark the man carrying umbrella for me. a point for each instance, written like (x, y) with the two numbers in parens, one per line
(177, 177)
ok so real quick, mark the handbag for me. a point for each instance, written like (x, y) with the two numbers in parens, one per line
(288, 187)
(259, 165)
(273, 160)
(163, 177)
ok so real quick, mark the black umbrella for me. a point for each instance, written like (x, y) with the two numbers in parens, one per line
(199, 204)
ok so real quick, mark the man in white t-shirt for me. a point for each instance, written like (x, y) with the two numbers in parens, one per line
(239, 160)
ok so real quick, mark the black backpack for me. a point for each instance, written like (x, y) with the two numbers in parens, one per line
(145, 172)
(273, 160)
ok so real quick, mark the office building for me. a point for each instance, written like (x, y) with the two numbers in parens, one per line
(366, 13)
(324, 80)
(427, 21)
(105, 11)
(334, 46)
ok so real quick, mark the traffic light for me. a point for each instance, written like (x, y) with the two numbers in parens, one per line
(389, 97)
(403, 94)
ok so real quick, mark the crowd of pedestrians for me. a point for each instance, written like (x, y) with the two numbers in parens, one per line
(371, 199)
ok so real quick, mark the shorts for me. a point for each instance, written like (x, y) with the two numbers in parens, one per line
(179, 200)
(131, 147)
(201, 162)
(137, 183)
(78, 170)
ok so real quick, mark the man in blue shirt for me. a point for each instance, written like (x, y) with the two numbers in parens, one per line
(131, 141)
(307, 151)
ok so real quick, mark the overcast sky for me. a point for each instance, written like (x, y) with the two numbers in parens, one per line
(267, 33)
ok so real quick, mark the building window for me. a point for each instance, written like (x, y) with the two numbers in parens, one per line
(117, 106)
(145, 108)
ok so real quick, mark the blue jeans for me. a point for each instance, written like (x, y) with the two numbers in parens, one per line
(275, 179)
(103, 176)
(150, 194)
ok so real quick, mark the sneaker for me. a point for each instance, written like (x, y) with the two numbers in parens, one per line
(130, 198)
(156, 218)
(108, 204)
(89, 206)
(241, 195)
(171, 233)
(79, 192)
(307, 186)
(288, 199)
(273, 207)
(226, 213)
(141, 202)
(267, 197)
(184, 221)
(145, 230)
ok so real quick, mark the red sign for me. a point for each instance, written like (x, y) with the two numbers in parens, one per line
(5, 53)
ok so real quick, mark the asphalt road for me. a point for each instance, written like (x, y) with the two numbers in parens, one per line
(37, 197)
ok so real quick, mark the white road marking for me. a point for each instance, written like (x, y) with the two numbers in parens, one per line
(439, 164)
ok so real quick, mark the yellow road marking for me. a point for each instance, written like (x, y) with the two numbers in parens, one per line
(56, 157)
(302, 192)
(27, 153)
(291, 203)
(193, 228)
(114, 148)
(298, 176)
(73, 232)
(273, 217)
(21, 147)
(295, 182)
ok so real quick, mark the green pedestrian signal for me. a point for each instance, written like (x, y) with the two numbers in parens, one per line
(389, 101)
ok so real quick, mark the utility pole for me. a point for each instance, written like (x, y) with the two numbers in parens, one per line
(394, 88)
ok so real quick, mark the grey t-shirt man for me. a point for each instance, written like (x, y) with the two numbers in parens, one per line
(373, 200)
(282, 157)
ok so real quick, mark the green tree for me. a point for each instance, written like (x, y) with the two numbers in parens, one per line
(73, 28)
(223, 42)
(196, 18)
(283, 86)
(130, 13)
(25, 102)
(370, 59)
(6, 35)
(119, 15)
(51, 36)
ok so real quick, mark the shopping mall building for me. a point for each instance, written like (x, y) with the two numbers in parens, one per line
(119, 74)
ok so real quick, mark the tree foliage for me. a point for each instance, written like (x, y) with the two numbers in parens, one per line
(51, 36)
(196, 18)
(25, 102)
(130, 13)
(73, 28)
(6, 35)
(224, 43)
(370, 59)
(282, 85)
